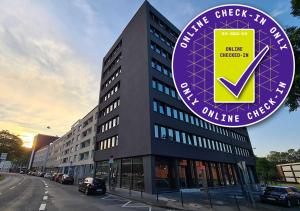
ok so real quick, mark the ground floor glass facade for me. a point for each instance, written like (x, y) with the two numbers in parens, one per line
(171, 173)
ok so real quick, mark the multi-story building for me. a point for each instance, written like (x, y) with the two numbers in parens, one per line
(155, 141)
(39, 141)
(41, 158)
(77, 150)
(73, 152)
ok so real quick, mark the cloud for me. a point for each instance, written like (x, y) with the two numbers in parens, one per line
(43, 79)
(280, 9)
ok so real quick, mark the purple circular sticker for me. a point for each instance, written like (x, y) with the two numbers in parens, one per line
(233, 65)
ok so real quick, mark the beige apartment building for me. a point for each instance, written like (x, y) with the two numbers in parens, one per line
(73, 152)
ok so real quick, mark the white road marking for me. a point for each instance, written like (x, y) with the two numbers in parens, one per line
(136, 205)
(42, 207)
(124, 205)
(46, 192)
(106, 197)
(45, 198)
(12, 187)
(46, 186)
(19, 183)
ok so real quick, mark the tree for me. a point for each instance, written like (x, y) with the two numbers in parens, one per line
(295, 7)
(290, 156)
(265, 169)
(12, 144)
(293, 99)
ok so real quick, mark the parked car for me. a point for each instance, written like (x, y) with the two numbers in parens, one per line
(41, 174)
(53, 176)
(48, 175)
(66, 179)
(280, 195)
(57, 177)
(92, 186)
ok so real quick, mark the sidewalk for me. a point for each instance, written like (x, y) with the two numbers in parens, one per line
(173, 201)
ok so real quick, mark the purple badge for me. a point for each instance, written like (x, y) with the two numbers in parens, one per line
(233, 65)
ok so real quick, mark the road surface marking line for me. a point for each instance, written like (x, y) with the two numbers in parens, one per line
(150, 208)
(46, 192)
(124, 205)
(45, 198)
(106, 197)
(42, 207)
(19, 183)
(12, 187)
(46, 186)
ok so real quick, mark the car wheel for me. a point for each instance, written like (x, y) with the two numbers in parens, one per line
(288, 203)
(87, 191)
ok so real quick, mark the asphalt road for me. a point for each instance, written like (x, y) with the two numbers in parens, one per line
(28, 193)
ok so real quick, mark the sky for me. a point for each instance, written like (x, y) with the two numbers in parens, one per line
(51, 55)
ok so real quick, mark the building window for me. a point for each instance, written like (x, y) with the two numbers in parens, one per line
(163, 133)
(170, 134)
(159, 50)
(155, 106)
(156, 135)
(169, 112)
(177, 135)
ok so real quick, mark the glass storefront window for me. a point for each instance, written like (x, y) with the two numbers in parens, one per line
(137, 174)
(165, 173)
(201, 174)
(214, 174)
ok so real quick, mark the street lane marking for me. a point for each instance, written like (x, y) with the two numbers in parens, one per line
(136, 205)
(12, 187)
(46, 186)
(45, 198)
(106, 197)
(19, 183)
(42, 207)
(46, 192)
(124, 205)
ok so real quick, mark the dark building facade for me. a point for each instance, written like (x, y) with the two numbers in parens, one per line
(155, 141)
(39, 141)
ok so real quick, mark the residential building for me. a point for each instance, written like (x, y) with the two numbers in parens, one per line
(40, 158)
(77, 147)
(73, 152)
(289, 172)
(39, 141)
(152, 140)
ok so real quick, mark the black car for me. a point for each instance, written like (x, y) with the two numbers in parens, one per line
(281, 195)
(66, 179)
(92, 186)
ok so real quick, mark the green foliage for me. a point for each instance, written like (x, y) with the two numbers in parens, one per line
(293, 99)
(266, 170)
(12, 144)
(295, 7)
(290, 156)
